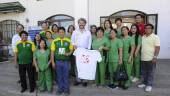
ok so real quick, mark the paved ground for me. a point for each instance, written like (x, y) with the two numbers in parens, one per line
(9, 87)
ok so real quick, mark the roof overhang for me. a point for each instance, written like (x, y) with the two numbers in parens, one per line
(11, 7)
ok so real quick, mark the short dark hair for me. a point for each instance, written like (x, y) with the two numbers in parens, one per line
(118, 19)
(149, 25)
(93, 26)
(113, 30)
(109, 23)
(62, 28)
(20, 25)
(100, 28)
(23, 32)
(139, 15)
(82, 19)
(44, 22)
(125, 27)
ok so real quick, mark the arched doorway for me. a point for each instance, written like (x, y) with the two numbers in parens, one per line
(128, 18)
(60, 20)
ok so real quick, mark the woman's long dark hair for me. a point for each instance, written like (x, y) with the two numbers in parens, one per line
(45, 44)
(109, 23)
(136, 35)
(35, 39)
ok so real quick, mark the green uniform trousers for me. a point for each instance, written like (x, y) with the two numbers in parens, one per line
(100, 73)
(112, 69)
(45, 80)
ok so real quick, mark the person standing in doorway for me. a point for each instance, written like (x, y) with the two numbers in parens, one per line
(140, 23)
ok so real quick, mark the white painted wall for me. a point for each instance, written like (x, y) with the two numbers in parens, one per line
(92, 10)
(161, 7)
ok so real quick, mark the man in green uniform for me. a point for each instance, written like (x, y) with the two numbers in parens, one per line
(23, 56)
(61, 49)
(45, 27)
(118, 22)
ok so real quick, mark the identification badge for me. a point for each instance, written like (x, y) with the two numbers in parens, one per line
(61, 51)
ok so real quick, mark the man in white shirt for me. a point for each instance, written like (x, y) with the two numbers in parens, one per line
(17, 38)
(149, 53)
(81, 38)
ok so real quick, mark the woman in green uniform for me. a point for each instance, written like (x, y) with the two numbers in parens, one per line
(70, 30)
(136, 61)
(128, 50)
(42, 64)
(107, 28)
(37, 40)
(115, 56)
(49, 39)
(100, 43)
(54, 30)
(93, 30)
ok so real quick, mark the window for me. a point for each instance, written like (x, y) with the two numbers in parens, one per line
(7, 30)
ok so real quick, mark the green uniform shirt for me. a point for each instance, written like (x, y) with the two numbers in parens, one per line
(96, 44)
(42, 34)
(139, 40)
(48, 44)
(68, 35)
(42, 59)
(60, 47)
(25, 51)
(107, 33)
(127, 43)
(54, 35)
(114, 49)
(119, 33)
(93, 37)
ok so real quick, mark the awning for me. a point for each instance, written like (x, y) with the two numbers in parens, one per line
(11, 7)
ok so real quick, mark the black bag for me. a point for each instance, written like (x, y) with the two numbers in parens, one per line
(120, 74)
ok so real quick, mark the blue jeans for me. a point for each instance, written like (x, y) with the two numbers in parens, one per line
(148, 70)
(62, 70)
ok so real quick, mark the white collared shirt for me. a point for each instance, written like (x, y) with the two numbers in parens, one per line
(17, 38)
(81, 39)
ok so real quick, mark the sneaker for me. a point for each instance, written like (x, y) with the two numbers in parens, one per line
(113, 86)
(135, 79)
(67, 93)
(77, 83)
(23, 90)
(141, 85)
(148, 88)
(84, 84)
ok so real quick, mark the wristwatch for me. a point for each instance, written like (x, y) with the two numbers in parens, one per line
(154, 56)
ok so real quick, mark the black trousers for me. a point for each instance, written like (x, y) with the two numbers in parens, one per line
(23, 68)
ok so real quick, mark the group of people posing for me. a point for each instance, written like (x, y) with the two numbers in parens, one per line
(51, 54)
